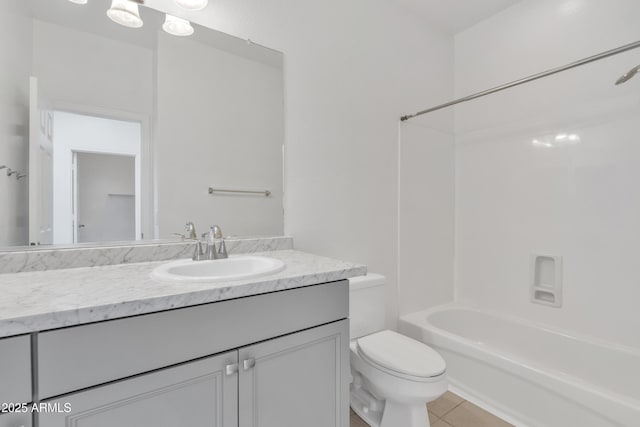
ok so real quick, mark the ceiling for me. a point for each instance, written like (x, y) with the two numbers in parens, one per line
(455, 16)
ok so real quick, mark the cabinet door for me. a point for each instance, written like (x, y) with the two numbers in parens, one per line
(15, 420)
(196, 394)
(15, 370)
(297, 380)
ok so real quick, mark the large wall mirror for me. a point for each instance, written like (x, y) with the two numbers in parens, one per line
(109, 133)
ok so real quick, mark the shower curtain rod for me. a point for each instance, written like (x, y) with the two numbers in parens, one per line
(531, 78)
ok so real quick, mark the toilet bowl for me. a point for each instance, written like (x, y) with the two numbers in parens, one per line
(394, 376)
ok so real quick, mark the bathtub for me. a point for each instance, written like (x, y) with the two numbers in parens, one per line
(531, 375)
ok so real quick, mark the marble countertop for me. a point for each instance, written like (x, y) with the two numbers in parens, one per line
(42, 300)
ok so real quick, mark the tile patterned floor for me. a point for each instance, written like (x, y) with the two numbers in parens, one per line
(452, 411)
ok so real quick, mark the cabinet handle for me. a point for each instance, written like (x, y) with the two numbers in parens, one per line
(231, 369)
(248, 364)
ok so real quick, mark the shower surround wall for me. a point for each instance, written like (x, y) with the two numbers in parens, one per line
(579, 201)
(426, 213)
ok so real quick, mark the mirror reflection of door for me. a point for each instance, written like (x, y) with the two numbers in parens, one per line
(97, 179)
(40, 166)
(104, 197)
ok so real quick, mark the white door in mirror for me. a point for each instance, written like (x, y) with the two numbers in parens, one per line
(238, 267)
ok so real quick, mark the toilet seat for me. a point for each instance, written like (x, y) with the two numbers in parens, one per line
(401, 356)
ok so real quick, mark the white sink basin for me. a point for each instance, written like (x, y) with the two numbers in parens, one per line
(236, 267)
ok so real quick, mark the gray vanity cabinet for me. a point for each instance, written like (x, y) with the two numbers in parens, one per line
(15, 420)
(197, 394)
(296, 380)
(270, 360)
(84, 356)
(283, 382)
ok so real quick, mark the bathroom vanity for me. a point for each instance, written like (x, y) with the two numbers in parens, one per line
(272, 349)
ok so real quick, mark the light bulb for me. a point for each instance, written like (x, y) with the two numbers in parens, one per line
(192, 4)
(177, 26)
(125, 12)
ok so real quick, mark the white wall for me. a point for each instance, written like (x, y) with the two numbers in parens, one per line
(535, 35)
(515, 198)
(15, 65)
(220, 124)
(351, 70)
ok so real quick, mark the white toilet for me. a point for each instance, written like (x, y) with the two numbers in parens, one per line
(394, 376)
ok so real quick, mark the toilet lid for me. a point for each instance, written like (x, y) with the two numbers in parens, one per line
(401, 354)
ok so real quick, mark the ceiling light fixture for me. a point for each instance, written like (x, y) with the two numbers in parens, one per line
(177, 26)
(78, 1)
(192, 4)
(125, 12)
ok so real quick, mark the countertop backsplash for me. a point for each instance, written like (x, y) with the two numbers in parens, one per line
(29, 260)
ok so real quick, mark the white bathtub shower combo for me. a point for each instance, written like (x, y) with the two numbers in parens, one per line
(531, 375)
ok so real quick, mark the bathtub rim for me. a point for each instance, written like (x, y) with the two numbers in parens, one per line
(566, 333)
(523, 368)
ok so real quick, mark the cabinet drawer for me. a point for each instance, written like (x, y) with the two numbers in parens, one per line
(83, 356)
(15, 369)
(15, 420)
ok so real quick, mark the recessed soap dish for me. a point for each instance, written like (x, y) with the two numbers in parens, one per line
(545, 284)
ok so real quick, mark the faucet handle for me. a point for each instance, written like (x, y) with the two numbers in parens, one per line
(190, 230)
(222, 252)
(215, 232)
(211, 244)
(198, 252)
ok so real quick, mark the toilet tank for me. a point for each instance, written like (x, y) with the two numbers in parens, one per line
(367, 308)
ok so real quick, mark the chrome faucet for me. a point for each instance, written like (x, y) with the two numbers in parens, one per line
(205, 248)
(190, 230)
